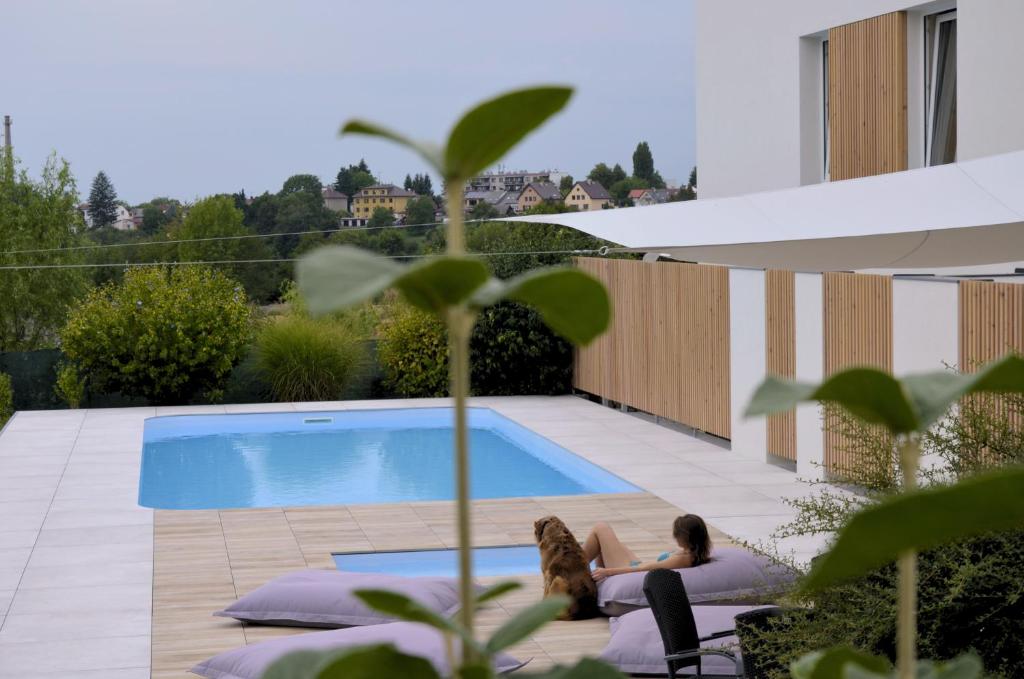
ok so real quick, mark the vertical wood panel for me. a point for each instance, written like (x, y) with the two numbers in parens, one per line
(867, 123)
(858, 331)
(667, 350)
(991, 321)
(780, 355)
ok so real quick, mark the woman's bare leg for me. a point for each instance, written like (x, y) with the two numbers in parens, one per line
(604, 545)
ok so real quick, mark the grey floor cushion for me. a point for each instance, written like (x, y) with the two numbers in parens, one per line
(636, 648)
(733, 575)
(323, 598)
(249, 662)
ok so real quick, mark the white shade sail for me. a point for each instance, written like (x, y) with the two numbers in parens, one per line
(961, 214)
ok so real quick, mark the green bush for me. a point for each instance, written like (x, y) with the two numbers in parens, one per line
(167, 335)
(6, 398)
(70, 385)
(305, 359)
(971, 594)
(513, 352)
(413, 353)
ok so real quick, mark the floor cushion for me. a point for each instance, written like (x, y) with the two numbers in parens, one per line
(411, 638)
(324, 598)
(635, 646)
(732, 575)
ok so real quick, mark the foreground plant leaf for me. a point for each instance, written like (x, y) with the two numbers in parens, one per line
(836, 662)
(572, 303)
(486, 132)
(428, 151)
(525, 623)
(374, 662)
(498, 590)
(404, 608)
(902, 406)
(586, 668)
(298, 665)
(920, 520)
(336, 277)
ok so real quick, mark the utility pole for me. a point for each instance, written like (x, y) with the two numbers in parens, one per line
(7, 133)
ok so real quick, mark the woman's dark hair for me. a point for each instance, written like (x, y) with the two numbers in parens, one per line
(691, 532)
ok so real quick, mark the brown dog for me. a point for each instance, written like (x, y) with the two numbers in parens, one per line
(565, 568)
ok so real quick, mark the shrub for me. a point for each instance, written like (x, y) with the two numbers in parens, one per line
(70, 385)
(413, 352)
(305, 359)
(6, 399)
(514, 352)
(167, 335)
(971, 594)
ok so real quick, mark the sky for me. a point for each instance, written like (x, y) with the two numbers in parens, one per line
(187, 98)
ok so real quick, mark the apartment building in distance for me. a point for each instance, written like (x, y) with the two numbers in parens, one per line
(387, 196)
(503, 180)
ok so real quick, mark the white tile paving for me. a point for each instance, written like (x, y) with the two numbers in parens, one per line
(76, 551)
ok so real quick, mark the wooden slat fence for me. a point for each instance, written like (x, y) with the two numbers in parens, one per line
(667, 351)
(780, 355)
(858, 331)
(867, 78)
(991, 321)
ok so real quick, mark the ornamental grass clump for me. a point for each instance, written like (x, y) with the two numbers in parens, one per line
(168, 335)
(307, 359)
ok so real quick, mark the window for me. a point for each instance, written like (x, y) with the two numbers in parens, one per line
(940, 92)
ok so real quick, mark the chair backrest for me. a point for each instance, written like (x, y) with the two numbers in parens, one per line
(666, 594)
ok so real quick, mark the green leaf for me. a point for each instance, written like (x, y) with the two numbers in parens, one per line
(572, 303)
(488, 131)
(526, 622)
(934, 393)
(870, 394)
(404, 608)
(439, 283)
(475, 671)
(966, 666)
(497, 590)
(585, 668)
(429, 152)
(298, 665)
(374, 662)
(834, 662)
(920, 520)
(336, 277)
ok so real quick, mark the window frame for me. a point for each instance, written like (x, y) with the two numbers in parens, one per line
(932, 25)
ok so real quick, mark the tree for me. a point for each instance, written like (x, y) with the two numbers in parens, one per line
(407, 185)
(217, 217)
(643, 162)
(483, 210)
(419, 211)
(354, 177)
(381, 216)
(102, 201)
(693, 178)
(603, 175)
(421, 184)
(308, 183)
(33, 215)
(618, 174)
(164, 334)
(565, 185)
(620, 190)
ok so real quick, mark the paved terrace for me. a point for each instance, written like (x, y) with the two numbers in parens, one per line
(92, 585)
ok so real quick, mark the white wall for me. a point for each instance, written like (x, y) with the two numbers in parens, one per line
(747, 359)
(810, 364)
(925, 325)
(757, 92)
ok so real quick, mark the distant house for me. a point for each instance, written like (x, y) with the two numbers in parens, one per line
(588, 195)
(538, 192)
(635, 194)
(473, 198)
(508, 203)
(335, 200)
(650, 196)
(123, 221)
(387, 196)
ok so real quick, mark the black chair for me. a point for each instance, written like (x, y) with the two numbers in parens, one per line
(666, 594)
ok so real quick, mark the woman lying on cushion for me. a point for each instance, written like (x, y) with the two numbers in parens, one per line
(615, 558)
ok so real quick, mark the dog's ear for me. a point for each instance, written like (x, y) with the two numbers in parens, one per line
(539, 525)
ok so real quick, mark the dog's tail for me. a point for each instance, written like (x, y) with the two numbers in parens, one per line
(581, 607)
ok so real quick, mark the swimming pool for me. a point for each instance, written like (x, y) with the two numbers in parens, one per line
(350, 457)
(487, 561)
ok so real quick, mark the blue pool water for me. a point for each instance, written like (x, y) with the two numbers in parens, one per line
(514, 560)
(350, 457)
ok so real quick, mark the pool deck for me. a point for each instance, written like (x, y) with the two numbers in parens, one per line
(92, 585)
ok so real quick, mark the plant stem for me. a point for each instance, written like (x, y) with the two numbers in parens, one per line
(906, 622)
(460, 322)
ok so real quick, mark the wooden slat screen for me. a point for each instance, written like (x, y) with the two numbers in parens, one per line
(991, 321)
(857, 316)
(867, 79)
(667, 351)
(780, 355)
